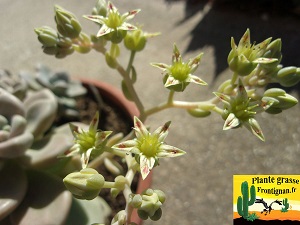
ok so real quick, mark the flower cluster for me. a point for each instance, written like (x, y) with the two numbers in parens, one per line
(238, 100)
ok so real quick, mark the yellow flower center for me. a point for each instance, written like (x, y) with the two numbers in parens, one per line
(114, 20)
(149, 145)
(86, 140)
(180, 71)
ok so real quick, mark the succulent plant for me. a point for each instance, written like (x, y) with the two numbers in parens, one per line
(64, 88)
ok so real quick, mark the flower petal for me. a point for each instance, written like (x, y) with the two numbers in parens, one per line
(194, 79)
(95, 18)
(176, 54)
(125, 146)
(194, 62)
(265, 60)
(169, 151)
(94, 123)
(162, 131)
(104, 30)
(85, 157)
(145, 165)
(74, 150)
(231, 122)
(140, 129)
(127, 26)
(74, 129)
(129, 15)
(245, 40)
(254, 127)
(101, 136)
(171, 81)
(111, 8)
(224, 98)
(161, 66)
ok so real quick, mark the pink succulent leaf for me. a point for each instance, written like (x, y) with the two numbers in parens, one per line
(169, 151)
(254, 127)
(95, 18)
(231, 122)
(140, 129)
(196, 80)
(131, 14)
(162, 131)
(161, 66)
(125, 146)
(104, 30)
(171, 81)
(127, 26)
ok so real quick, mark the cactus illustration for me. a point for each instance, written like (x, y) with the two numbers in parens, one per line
(286, 205)
(243, 202)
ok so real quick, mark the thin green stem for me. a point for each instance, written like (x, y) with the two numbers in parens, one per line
(131, 59)
(234, 78)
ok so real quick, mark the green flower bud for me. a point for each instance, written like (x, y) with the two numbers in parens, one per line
(64, 47)
(120, 182)
(111, 61)
(288, 76)
(135, 40)
(100, 8)
(273, 50)
(151, 202)
(47, 36)
(116, 36)
(281, 100)
(157, 215)
(240, 64)
(67, 23)
(85, 184)
(198, 113)
(50, 50)
(142, 214)
(135, 200)
(161, 195)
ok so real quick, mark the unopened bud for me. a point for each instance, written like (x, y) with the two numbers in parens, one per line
(47, 36)
(85, 184)
(135, 40)
(288, 76)
(67, 23)
(281, 100)
(100, 8)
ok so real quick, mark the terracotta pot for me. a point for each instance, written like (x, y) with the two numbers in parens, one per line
(115, 96)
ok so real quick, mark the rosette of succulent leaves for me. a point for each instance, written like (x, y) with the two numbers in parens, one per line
(65, 89)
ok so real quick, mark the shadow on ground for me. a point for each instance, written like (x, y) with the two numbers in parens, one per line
(230, 18)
